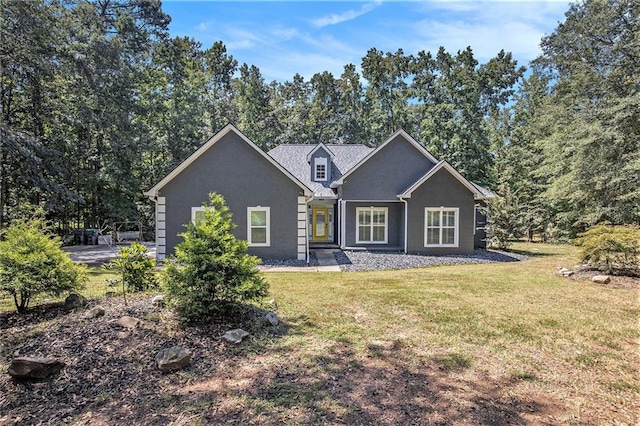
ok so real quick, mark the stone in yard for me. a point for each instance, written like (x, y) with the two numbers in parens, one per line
(272, 317)
(601, 279)
(158, 300)
(95, 312)
(129, 322)
(567, 273)
(34, 368)
(172, 359)
(235, 336)
(75, 301)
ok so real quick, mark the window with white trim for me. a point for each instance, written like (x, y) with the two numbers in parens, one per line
(372, 225)
(258, 226)
(197, 214)
(320, 169)
(441, 227)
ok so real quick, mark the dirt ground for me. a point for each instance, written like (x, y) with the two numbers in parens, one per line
(110, 377)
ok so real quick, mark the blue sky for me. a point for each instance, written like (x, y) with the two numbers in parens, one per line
(284, 38)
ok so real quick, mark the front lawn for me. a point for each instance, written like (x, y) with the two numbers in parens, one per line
(509, 343)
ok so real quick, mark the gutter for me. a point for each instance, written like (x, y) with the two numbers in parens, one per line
(406, 224)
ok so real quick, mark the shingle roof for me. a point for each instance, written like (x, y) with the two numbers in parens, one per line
(294, 159)
(485, 192)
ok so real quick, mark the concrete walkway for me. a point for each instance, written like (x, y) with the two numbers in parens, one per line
(98, 255)
(326, 263)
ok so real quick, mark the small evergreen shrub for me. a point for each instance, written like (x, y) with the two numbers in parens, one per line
(32, 263)
(504, 220)
(135, 266)
(212, 274)
(611, 249)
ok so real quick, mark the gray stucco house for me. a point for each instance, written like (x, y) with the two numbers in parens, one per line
(284, 202)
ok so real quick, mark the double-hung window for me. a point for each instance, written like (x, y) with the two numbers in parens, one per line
(441, 227)
(372, 225)
(320, 169)
(258, 224)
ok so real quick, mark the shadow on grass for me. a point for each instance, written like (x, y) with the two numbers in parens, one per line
(531, 253)
(279, 375)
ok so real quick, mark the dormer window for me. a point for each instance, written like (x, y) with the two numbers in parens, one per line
(320, 169)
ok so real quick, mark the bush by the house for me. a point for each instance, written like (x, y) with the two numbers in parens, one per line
(135, 266)
(504, 221)
(212, 273)
(32, 263)
(611, 249)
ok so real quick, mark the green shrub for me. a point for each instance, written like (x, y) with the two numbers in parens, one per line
(212, 273)
(32, 263)
(135, 266)
(504, 220)
(611, 249)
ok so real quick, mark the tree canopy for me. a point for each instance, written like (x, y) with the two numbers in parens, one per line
(98, 103)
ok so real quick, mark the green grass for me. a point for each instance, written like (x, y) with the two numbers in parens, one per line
(519, 321)
(97, 286)
(474, 335)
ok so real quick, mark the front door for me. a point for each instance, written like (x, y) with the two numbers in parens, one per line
(320, 224)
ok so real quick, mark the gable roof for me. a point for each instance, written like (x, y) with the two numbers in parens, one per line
(477, 194)
(400, 132)
(212, 141)
(293, 157)
(318, 146)
(484, 191)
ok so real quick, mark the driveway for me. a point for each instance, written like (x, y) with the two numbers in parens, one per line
(99, 254)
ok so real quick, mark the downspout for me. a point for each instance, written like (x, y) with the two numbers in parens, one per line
(306, 228)
(406, 225)
(343, 224)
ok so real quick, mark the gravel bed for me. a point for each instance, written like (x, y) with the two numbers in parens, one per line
(352, 261)
(313, 261)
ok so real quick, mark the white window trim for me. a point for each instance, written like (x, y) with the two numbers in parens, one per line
(195, 210)
(386, 224)
(320, 161)
(267, 226)
(456, 225)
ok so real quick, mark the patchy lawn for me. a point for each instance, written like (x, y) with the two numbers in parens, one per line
(510, 343)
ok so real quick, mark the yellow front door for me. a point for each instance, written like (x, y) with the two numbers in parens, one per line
(320, 224)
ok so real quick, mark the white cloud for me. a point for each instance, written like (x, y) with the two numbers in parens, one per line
(487, 27)
(338, 18)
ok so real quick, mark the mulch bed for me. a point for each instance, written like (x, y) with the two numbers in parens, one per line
(586, 273)
(110, 372)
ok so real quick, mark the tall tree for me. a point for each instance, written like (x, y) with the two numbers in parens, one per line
(458, 96)
(256, 117)
(219, 68)
(353, 113)
(387, 90)
(30, 53)
(593, 154)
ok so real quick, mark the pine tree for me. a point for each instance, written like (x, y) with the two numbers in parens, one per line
(212, 274)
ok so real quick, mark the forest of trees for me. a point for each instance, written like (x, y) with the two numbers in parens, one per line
(98, 103)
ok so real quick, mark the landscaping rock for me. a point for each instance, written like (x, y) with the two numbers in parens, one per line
(601, 279)
(95, 312)
(158, 300)
(235, 336)
(172, 359)
(75, 301)
(24, 368)
(272, 317)
(129, 322)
